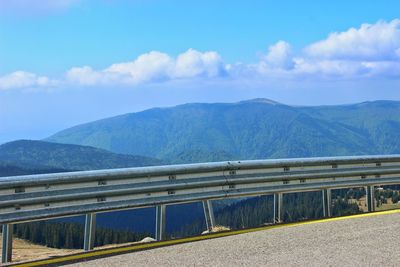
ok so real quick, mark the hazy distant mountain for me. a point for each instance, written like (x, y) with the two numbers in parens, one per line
(12, 169)
(259, 128)
(28, 157)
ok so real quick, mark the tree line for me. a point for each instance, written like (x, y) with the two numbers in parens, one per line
(70, 235)
(258, 211)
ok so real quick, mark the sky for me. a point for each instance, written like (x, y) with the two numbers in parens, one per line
(67, 62)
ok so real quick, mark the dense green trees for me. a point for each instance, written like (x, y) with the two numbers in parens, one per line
(70, 235)
(12, 169)
(257, 211)
(31, 157)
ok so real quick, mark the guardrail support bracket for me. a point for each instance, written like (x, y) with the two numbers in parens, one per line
(327, 202)
(160, 222)
(90, 231)
(370, 197)
(278, 207)
(209, 214)
(6, 252)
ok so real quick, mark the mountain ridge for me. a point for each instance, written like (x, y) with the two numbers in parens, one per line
(250, 129)
(33, 156)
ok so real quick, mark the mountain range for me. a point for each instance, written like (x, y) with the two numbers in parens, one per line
(253, 129)
(31, 157)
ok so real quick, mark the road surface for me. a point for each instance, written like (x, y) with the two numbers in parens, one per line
(363, 241)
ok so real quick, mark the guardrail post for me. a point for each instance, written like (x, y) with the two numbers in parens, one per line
(278, 205)
(6, 253)
(90, 231)
(326, 202)
(370, 197)
(209, 214)
(160, 222)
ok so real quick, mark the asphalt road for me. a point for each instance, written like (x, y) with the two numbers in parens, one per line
(364, 241)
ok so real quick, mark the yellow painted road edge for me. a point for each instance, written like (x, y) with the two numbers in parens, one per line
(137, 247)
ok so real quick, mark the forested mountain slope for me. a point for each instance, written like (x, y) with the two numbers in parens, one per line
(245, 130)
(29, 156)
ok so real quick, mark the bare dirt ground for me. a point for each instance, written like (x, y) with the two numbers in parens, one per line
(24, 250)
(365, 241)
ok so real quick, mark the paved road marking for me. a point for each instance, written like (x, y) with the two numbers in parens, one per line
(139, 247)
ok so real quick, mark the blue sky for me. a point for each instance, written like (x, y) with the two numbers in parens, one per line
(71, 61)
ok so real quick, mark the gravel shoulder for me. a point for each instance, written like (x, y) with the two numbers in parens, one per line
(364, 241)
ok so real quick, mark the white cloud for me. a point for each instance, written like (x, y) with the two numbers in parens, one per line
(279, 56)
(333, 68)
(193, 63)
(371, 50)
(152, 67)
(371, 42)
(383, 68)
(23, 79)
(83, 75)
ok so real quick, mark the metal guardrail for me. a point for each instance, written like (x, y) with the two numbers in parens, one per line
(37, 197)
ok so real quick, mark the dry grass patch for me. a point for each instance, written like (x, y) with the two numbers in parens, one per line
(25, 251)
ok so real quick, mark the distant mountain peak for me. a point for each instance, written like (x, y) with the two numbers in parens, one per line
(261, 100)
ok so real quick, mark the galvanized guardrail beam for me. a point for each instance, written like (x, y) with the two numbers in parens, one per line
(37, 197)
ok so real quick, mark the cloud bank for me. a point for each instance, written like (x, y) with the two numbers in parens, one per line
(371, 42)
(152, 67)
(372, 50)
(23, 79)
